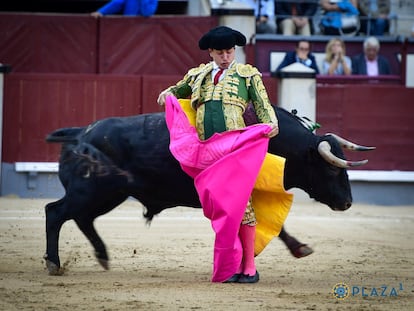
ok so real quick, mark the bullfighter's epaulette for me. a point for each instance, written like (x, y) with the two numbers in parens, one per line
(247, 70)
(197, 70)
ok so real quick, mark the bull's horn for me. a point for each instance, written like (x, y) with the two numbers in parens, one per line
(324, 149)
(350, 145)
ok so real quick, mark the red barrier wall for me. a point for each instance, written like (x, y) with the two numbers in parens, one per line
(115, 44)
(152, 85)
(48, 43)
(53, 84)
(373, 115)
(377, 115)
(163, 46)
(35, 105)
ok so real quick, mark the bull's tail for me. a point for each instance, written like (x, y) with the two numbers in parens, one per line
(65, 135)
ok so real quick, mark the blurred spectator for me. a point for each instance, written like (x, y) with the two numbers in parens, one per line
(302, 54)
(374, 16)
(340, 17)
(295, 16)
(336, 62)
(128, 7)
(370, 62)
(264, 11)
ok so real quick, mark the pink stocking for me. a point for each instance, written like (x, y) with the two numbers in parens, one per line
(247, 236)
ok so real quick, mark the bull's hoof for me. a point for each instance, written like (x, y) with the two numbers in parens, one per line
(302, 251)
(104, 263)
(53, 268)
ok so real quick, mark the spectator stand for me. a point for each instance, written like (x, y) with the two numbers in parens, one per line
(270, 50)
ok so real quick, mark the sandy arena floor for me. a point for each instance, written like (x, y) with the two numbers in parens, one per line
(167, 266)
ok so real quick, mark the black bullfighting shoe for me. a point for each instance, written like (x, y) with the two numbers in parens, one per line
(245, 278)
(234, 279)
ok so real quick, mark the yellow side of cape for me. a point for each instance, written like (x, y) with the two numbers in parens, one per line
(270, 200)
(189, 111)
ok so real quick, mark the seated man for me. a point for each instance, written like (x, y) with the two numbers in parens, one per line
(295, 17)
(374, 16)
(302, 54)
(370, 62)
(264, 11)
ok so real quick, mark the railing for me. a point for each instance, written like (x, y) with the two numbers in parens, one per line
(358, 79)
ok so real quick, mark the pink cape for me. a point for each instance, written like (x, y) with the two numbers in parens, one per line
(224, 168)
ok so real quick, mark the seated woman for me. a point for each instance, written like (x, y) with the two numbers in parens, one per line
(336, 62)
(340, 17)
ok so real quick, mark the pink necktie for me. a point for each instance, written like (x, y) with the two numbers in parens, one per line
(217, 76)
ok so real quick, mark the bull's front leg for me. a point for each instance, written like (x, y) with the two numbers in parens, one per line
(296, 248)
(86, 226)
(55, 218)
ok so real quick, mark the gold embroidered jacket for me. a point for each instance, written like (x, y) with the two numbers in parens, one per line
(241, 85)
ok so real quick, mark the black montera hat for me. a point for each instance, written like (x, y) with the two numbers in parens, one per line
(221, 38)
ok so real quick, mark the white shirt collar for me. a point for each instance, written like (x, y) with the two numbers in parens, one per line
(216, 67)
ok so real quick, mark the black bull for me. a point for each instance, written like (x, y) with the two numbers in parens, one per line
(112, 159)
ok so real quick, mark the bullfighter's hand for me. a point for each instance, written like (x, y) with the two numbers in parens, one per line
(163, 96)
(274, 131)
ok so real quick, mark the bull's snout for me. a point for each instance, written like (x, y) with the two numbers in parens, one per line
(342, 207)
